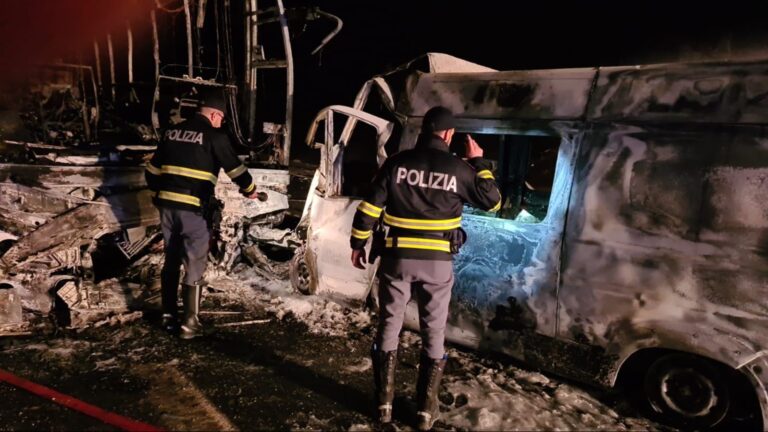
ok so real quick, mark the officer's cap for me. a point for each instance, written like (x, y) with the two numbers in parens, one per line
(213, 98)
(438, 119)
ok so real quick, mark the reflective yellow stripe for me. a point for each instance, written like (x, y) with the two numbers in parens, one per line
(422, 240)
(362, 235)
(496, 208)
(188, 172)
(182, 198)
(485, 174)
(422, 224)
(419, 243)
(370, 209)
(237, 171)
(250, 188)
(153, 169)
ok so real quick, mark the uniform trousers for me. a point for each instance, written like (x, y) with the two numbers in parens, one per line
(187, 236)
(430, 281)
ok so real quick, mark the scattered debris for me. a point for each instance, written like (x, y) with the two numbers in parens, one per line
(10, 307)
(91, 258)
(206, 312)
(119, 319)
(243, 323)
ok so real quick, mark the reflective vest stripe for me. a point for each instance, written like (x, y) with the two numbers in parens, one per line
(496, 208)
(236, 171)
(177, 197)
(153, 169)
(362, 235)
(418, 243)
(188, 172)
(485, 174)
(370, 209)
(422, 224)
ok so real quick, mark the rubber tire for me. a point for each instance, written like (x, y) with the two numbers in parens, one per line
(303, 279)
(712, 376)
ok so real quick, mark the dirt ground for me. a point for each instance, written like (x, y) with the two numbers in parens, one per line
(301, 364)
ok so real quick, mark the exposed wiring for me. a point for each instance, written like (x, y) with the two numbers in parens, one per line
(227, 41)
(228, 76)
(216, 6)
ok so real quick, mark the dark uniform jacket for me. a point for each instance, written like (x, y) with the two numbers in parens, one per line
(420, 194)
(185, 167)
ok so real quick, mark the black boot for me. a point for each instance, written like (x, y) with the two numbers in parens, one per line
(190, 325)
(427, 388)
(169, 295)
(384, 365)
(170, 323)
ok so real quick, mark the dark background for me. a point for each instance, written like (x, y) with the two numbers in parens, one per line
(504, 35)
(378, 35)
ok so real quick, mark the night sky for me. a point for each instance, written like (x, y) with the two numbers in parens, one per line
(379, 35)
(517, 35)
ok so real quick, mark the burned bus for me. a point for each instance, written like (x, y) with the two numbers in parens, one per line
(633, 239)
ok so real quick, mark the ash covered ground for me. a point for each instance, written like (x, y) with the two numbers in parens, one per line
(276, 359)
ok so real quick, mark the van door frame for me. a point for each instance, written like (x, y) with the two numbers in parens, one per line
(328, 214)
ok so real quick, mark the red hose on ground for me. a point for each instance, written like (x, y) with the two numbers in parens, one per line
(104, 416)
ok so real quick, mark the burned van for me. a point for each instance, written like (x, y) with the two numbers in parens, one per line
(632, 244)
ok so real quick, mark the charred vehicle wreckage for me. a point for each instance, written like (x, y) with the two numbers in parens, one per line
(79, 235)
(630, 246)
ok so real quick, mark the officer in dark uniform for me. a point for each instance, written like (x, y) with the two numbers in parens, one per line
(419, 194)
(183, 173)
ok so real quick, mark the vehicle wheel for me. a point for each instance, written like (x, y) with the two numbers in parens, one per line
(687, 391)
(301, 275)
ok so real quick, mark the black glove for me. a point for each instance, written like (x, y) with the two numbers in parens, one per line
(378, 242)
(457, 238)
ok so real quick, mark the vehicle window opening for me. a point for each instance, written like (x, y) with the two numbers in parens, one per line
(358, 164)
(524, 168)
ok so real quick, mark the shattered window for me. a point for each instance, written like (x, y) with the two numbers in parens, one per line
(524, 168)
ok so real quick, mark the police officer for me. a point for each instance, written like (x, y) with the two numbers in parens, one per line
(183, 173)
(419, 194)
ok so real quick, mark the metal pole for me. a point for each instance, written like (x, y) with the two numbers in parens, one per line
(111, 51)
(156, 56)
(201, 14)
(84, 110)
(97, 56)
(155, 43)
(247, 29)
(129, 34)
(251, 71)
(190, 59)
(289, 84)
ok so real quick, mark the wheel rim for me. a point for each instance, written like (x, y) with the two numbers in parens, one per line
(688, 392)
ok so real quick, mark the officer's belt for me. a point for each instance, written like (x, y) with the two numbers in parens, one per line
(418, 243)
(422, 224)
